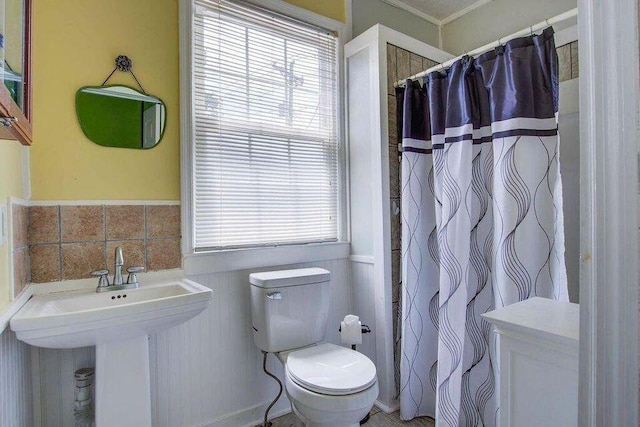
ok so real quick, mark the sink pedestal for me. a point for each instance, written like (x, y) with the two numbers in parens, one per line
(118, 323)
(123, 392)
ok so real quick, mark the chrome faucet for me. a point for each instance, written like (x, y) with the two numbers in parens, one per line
(117, 277)
(118, 282)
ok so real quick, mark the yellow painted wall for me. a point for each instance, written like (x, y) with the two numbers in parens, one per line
(11, 175)
(334, 9)
(75, 44)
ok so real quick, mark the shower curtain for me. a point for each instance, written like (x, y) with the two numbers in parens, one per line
(482, 223)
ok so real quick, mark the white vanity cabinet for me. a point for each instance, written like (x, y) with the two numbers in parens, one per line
(538, 362)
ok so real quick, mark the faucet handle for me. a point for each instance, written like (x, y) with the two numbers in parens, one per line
(103, 281)
(133, 279)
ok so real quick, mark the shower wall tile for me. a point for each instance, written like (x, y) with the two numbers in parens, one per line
(70, 241)
(395, 275)
(395, 223)
(564, 62)
(403, 64)
(415, 63)
(392, 75)
(568, 60)
(427, 63)
(575, 71)
(394, 162)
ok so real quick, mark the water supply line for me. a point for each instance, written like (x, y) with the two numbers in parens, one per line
(83, 413)
(266, 422)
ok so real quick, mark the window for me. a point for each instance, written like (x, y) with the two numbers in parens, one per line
(265, 128)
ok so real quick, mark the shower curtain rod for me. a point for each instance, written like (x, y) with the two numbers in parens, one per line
(532, 29)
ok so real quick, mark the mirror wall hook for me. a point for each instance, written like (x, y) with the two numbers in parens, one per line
(123, 63)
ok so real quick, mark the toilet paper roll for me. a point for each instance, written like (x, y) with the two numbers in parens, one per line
(351, 330)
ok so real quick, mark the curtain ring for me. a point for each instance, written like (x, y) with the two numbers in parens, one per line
(531, 31)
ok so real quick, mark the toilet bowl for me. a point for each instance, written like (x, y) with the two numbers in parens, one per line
(329, 385)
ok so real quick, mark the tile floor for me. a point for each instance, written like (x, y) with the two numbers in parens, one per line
(378, 419)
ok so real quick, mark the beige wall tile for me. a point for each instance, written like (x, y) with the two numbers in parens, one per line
(163, 254)
(392, 108)
(403, 69)
(19, 220)
(163, 221)
(575, 69)
(564, 62)
(80, 259)
(124, 222)
(82, 223)
(20, 270)
(395, 224)
(395, 275)
(428, 63)
(45, 263)
(44, 224)
(392, 76)
(415, 63)
(394, 164)
(132, 251)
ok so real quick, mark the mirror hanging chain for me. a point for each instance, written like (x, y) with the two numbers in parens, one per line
(123, 63)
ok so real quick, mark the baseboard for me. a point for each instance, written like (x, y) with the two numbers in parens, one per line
(250, 417)
(389, 409)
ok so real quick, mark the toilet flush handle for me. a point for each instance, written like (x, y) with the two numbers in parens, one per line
(274, 295)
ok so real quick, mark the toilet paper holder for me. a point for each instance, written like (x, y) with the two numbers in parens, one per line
(365, 330)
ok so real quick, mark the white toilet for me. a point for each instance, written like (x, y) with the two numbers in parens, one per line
(327, 385)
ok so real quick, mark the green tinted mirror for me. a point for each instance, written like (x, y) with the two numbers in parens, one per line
(119, 116)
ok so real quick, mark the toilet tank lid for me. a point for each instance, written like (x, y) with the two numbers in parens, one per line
(282, 278)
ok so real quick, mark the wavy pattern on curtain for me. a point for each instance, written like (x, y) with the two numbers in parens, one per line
(481, 220)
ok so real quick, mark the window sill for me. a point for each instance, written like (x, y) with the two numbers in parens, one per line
(243, 259)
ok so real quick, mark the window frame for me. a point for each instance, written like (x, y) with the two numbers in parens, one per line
(262, 256)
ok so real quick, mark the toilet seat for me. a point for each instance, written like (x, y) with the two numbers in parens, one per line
(331, 370)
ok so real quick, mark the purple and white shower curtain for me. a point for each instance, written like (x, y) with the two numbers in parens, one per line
(482, 220)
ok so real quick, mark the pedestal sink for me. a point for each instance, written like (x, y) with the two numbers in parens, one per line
(118, 323)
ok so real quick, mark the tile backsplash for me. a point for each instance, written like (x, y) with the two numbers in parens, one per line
(19, 247)
(69, 241)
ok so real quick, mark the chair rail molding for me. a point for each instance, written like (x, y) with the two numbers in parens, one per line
(608, 390)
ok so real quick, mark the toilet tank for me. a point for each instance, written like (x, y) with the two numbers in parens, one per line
(289, 308)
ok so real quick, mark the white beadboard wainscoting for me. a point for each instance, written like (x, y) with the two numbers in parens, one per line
(363, 303)
(16, 397)
(205, 372)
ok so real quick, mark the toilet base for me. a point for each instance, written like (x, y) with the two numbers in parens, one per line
(301, 422)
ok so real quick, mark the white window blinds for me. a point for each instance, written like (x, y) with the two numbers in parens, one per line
(265, 128)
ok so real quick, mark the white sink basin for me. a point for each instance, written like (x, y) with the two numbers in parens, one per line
(118, 323)
(86, 318)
